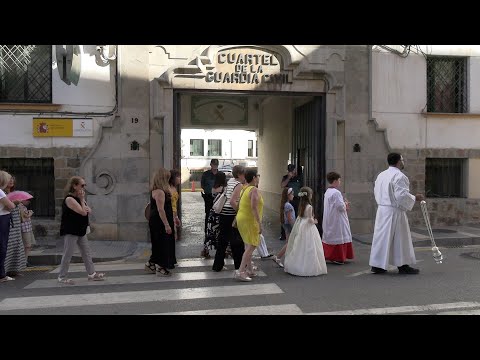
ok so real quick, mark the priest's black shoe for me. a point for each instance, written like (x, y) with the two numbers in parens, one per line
(406, 269)
(377, 270)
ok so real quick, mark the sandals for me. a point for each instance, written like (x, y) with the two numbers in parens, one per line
(228, 252)
(150, 267)
(242, 276)
(278, 261)
(205, 253)
(97, 276)
(161, 271)
(6, 278)
(66, 281)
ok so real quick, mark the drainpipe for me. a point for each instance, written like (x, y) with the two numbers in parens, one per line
(370, 83)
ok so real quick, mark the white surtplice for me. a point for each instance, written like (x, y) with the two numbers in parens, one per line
(336, 227)
(392, 241)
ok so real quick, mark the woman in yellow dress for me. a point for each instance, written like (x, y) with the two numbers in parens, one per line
(249, 223)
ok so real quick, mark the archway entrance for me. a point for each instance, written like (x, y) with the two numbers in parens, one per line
(288, 128)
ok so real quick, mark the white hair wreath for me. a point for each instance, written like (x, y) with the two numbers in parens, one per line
(304, 193)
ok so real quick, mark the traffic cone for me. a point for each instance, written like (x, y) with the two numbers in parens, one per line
(193, 186)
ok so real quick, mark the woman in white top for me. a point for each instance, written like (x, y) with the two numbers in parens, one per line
(228, 234)
(5, 207)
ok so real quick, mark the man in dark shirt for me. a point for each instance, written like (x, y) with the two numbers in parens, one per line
(207, 182)
(294, 181)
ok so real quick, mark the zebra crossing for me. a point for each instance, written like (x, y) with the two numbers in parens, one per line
(116, 291)
(192, 289)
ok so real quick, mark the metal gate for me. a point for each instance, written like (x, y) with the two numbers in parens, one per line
(308, 149)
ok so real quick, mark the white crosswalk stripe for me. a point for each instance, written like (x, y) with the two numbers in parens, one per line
(138, 266)
(287, 309)
(138, 279)
(402, 309)
(37, 302)
(124, 274)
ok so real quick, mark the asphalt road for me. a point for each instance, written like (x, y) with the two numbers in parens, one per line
(452, 287)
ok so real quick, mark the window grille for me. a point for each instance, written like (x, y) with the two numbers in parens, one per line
(214, 147)
(26, 73)
(196, 147)
(447, 84)
(250, 148)
(35, 176)
(445, 178)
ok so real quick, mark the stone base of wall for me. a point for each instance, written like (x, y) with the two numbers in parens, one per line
(442, 211)
(447, 212)
(66, 160)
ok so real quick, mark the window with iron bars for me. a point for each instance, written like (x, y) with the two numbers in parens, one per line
(214, 147)
(447, 84)
(25, 73)
(196, 147)
(35, 176)
(445, 178)
(250, 148)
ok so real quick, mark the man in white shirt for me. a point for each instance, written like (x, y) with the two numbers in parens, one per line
(392, 241)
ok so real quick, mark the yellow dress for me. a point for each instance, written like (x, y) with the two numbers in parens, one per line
(246, 223)
(174, 200)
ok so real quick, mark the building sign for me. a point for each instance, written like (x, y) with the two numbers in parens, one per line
(61, 127)
(248, 66)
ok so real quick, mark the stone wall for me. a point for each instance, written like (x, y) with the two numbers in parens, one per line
(66, 162)
(442, 211)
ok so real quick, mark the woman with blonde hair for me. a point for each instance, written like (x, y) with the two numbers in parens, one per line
(73, 227)
(174, 181)
(304, 255)
(5, 207)
(249, 222)
(161, 224)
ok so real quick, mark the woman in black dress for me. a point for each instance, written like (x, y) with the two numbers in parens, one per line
(161, 226)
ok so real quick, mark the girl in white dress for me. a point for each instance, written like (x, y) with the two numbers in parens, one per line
(304, 256)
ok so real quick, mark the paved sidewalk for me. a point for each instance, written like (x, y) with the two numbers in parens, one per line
(447, 236)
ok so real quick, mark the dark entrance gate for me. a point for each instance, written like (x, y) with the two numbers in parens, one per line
(308, 149)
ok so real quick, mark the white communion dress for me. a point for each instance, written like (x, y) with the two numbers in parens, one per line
(304, 255)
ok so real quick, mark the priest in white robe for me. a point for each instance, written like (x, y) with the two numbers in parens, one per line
(392, 241)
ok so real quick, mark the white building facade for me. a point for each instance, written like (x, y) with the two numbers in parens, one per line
(230, 147)
(115, 113)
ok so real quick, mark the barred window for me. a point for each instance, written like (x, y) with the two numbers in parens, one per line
(250, 148)
(447, 84)
(445, 178)
(25, 73)
(214, 147)
(196, 147)
(35, 176)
